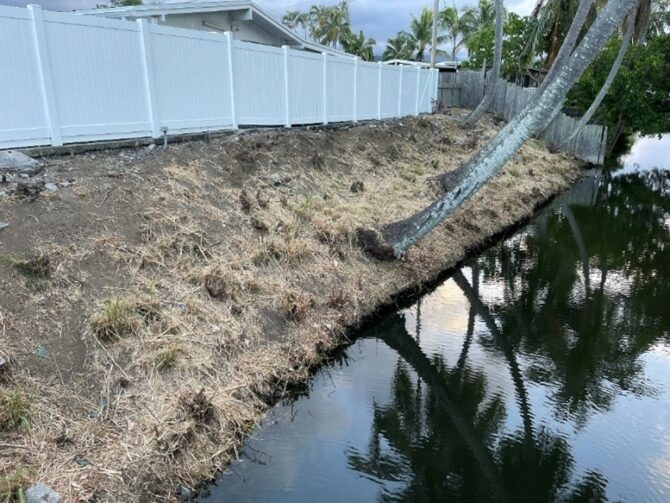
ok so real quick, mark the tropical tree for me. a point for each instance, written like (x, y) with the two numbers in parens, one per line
(125, 3)
(330, 25)
(402, 46)
(393, 240)
(551, 20)
(625, 43)
(456, 28)
(493, 76)
(474, 19)
(294, 19)
(359, 45)
(421, 31)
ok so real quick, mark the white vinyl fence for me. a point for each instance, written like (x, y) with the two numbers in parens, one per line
(68, 78)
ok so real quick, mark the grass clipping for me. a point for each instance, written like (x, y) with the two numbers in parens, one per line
(195, 284)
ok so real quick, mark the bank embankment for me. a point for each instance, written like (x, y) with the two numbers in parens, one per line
(154, 303)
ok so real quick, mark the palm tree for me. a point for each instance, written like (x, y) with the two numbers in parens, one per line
(330, 25)
(359, 45)
(294, 19)
(421, 31)
(474, 19)
(484, 105)
(394, 239)
(456, 29)
(625, 43)
(400, 47)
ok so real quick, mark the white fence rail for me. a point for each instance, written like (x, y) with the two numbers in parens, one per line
(66, 78)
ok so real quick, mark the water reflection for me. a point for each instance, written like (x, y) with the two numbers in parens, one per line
(536, 373)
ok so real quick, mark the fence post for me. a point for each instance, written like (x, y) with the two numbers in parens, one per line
(436, 86)
(287, 108)
(355, 88)
(324, 56)
(379, 91)
(400, 92)
(149, 80)
(231, 79)
(44, 74)
(418, 87)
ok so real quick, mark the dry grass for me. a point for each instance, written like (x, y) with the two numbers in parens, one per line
(209, 278)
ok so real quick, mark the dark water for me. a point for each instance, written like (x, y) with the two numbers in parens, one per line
(538, 372)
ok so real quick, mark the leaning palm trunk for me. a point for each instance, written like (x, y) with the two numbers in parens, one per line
(489, 90)
(590, 112)
(396, 238)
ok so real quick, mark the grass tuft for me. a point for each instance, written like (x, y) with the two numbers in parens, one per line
(167, 358)
(14, 411)
(12, 484)
(38, 266)
(121, 317)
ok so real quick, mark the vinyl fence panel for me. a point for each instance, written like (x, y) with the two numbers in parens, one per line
(390, 92)
(258, 72)
(339, 89)
(305, 83)
(69, 78)
(98, 77)
(186, 102)
(23, 117)
(366, 96)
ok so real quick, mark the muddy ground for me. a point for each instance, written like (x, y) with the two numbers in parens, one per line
(154, 302)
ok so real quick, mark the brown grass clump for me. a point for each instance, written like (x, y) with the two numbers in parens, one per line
(38, 266)
(296, 306)
(199, 407)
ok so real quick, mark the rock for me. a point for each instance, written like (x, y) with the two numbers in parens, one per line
(185, 494)
(40, 493)
(357, 187)
(151, 146)
(51, 187)
(4, 365)
(18, 163)
(3, 225)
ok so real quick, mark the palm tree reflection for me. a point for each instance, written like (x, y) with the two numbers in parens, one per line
(449, 440)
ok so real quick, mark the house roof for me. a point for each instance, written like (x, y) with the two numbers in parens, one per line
(252, 11)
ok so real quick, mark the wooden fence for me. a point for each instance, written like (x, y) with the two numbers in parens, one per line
(466, 89)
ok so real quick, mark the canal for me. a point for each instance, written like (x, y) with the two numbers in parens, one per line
(540, 371)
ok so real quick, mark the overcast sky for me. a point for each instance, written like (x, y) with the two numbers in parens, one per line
(379, 19)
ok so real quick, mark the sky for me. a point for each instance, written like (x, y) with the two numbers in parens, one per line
(379, 19)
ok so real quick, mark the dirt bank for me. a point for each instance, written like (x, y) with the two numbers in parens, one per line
(154, 302)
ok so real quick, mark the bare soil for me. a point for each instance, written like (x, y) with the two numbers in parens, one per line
(156, 304)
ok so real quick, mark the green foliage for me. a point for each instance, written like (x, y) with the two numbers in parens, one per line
(359, 45)
(640, 94)
(421, 30)
(14, 411)
(402, 46)
(125, 3)
(327, 25)
(515, 33)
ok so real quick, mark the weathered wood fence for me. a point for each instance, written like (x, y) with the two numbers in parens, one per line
(466, 88)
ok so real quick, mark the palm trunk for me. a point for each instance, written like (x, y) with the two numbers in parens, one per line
(489, 92)
(396, 238)
(588, 115)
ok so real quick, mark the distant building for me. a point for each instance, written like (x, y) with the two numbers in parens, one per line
(243, 18)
